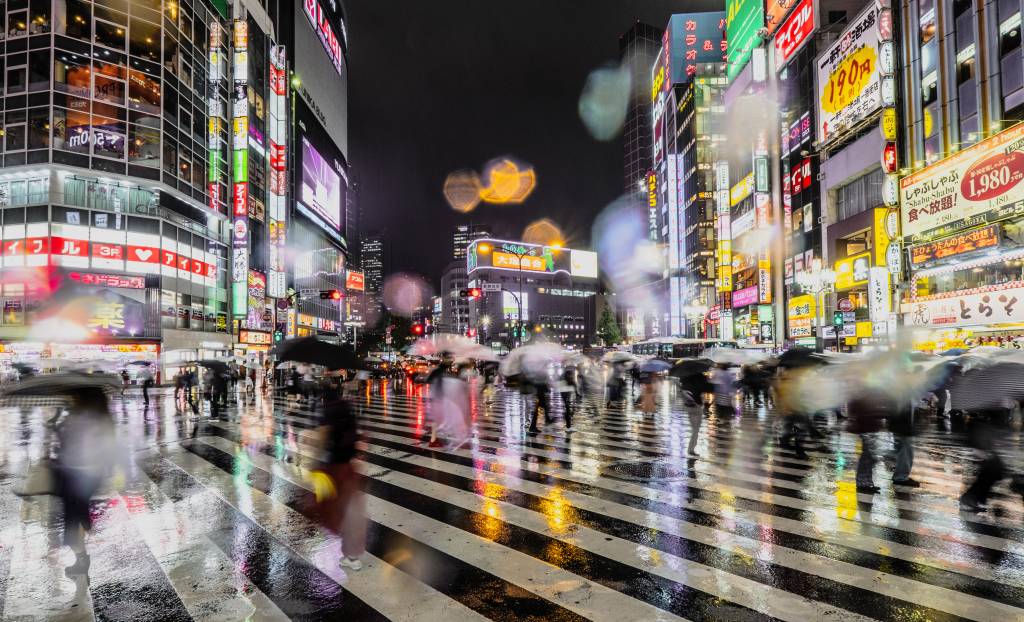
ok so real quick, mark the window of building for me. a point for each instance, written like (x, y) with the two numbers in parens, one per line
(17, 79)
(39, 17)
(109, 90)
(145, 40)
(14, 136)
(143, 92)
(71, 74)
(71, 130)
(965, 65)
(143, 145)
(108, 137)
(39, 128)
(859, 195)
(17, 24)
(39, 70)
(74, 19)
(109, 34)
(1009, 34)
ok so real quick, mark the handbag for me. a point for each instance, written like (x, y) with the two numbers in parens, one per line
(39, 480)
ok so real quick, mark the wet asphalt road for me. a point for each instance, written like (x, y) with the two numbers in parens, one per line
(211, 520)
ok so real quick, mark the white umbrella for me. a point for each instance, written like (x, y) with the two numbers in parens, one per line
(732, 356)
(617, 356)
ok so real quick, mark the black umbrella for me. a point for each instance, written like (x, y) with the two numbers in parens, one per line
(690, 367)
(61, 383)
(219, 367)
(988, 387)
(799, 357)
(316, 352)
(144, 363)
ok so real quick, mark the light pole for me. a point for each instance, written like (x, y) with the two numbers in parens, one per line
(819, 281)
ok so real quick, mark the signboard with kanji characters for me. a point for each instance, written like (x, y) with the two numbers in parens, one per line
(960, 244)
(694, 39)
(972, 307)
(978, 185)
(742, 21)
(849, 82)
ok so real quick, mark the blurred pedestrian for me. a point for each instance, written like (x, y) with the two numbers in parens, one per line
(866, 414)
(568, 390)
(543, 401)
(85, 456)
(724, 381)
(146, 375)
(343, 509)
(692, 387)
(901, 424)
(648, 392)
(616, 384)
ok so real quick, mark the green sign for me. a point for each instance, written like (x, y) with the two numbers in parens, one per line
(239, 291)
(221, 6)
(742, 21)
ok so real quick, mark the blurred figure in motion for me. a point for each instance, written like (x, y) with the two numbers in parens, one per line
(344, 511)
(648, 392)
(692, 387)
(449, 404)
(568, 389)
(539, 381)
(616, 384)
(901, 424)
(866, 413)
(85, 456)
(146, 376)
(724, 381)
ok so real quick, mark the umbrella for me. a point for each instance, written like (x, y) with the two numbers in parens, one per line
(730, 356)
(219, 367)
(62, 382)
(953, 352)
(690, 367)
(655, 366)
(617, 356)
(144, 363)
(799, 357)
(988, 387)
(316, 352)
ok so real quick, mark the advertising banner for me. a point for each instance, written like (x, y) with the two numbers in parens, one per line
(961, 244)
(978, 185)
(879, 296)
(795, 32)
(742, 21)
(800, 313)
(852, 271)
(355, 281)
(848, 79)
(693, 39)
(968, 309)
(744, 297)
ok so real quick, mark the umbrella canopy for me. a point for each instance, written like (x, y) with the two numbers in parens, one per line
(731, 356)
(316, 352)
(799, 357)
(690, 367)
(143, 363)
(61, 383)
(655, 366)
(617, 356)
(988, 387)
(532, 359)
(217, 366)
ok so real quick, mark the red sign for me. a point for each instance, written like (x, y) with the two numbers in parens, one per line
(845, 304)
(14, 248)
(198, 267)
(240, 199)
(211, 270)
(278, 161)
(145, 254)
(107, 251)
(354, 281)
(109, 280)
(214, 191)
(714, 315)
(68, 248)
(889, 157)
(794, 33)
(169, 259)
(183, 263)
(801, 178)
(277, 80)
(37, 246)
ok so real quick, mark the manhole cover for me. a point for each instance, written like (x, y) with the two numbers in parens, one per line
(645, 471)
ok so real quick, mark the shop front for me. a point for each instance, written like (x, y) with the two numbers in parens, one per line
(253, 347)
(752, 322)
(182, 348)
(109, 357)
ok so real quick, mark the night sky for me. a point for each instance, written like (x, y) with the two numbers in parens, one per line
(450, 84)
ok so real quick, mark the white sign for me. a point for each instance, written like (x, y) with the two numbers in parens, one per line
(583, 264)
(978, 185)
(848, 79)
(491, 287)
(879, 298)
(968, 309)
(742, 224)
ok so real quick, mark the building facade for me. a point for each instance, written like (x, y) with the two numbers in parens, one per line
(373, 258)
(462, 235)
(454, 307)
(147, 166)
(527, 287)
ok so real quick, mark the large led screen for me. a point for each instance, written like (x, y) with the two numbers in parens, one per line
(321, 185)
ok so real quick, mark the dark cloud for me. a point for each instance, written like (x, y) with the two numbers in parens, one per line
(446, 85)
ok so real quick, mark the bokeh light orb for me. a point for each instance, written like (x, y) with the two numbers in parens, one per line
(507, 182)
(605, 101)
(404, 293)
(543, 232)
(462, 191)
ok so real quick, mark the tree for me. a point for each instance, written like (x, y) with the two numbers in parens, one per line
(608, 328)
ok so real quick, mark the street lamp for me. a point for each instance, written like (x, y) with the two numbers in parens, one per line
(818, 281)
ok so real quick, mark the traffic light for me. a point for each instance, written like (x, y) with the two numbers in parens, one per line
(837, 319)
(278, 336)
(417, 329)
(330, 294)
(471, 293)
(471, 332)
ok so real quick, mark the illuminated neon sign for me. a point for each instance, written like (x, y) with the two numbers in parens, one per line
(322, 25)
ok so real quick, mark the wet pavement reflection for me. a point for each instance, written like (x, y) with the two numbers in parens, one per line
(214, 519)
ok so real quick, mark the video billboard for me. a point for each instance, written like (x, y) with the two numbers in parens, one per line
(321, 66)
(694, 39)
(507, 255)
(321, 185)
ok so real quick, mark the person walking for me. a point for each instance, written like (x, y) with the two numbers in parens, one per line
(344, 512)
(724, 381)
(146, 375)
(85, 456)
(901, 424)
(568, 389)
(866, 414)
(692, 388)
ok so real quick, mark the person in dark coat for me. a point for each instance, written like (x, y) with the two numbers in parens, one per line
(866, 415)
(901, 424)
(345, 513)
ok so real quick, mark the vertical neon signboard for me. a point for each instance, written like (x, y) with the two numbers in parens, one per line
(239, 168)
(215, 113)
(277, 162)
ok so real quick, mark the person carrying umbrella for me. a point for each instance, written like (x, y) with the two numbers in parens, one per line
(146, 375)
(568, 390)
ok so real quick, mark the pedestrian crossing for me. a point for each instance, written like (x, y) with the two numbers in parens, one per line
(212, 520)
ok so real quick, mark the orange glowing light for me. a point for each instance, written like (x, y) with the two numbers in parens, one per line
(507, 183)
(462, 191)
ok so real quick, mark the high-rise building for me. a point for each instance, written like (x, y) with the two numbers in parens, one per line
(638, 49)
(463, 235)
(454, 308)
(147, 164)
(374, 260)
